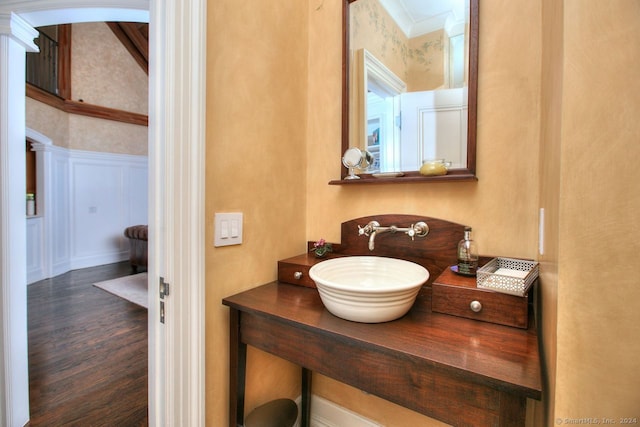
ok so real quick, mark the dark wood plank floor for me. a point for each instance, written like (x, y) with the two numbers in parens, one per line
(87, 352)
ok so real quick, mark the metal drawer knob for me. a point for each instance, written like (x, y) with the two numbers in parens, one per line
(475, 306)
(297, 275)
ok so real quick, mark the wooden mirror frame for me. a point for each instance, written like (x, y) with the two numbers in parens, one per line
(458, 174)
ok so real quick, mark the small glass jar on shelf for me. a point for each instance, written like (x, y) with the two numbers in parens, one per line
(434, 167)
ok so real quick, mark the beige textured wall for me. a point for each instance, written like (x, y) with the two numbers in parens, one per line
(49, 121)
(103, 73)
(255, 164)
(598, 369)
(93, 134)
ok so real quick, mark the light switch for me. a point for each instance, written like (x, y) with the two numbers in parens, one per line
(227, 229)
(224, 229)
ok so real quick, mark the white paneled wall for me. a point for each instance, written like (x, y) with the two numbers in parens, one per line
(34, 251)
(85, 201)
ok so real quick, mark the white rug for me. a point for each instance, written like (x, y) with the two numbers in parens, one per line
(132, 288)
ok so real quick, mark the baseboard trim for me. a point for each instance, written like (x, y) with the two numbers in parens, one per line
(325, 413)
(102, 259)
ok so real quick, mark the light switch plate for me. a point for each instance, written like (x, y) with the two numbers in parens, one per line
(227, 229)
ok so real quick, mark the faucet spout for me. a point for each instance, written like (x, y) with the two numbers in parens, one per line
(379, 230)
(372, 238)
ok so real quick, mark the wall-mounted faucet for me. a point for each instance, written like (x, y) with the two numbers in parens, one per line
(373, 228)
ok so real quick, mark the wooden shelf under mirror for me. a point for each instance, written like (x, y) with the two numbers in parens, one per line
(409, 177)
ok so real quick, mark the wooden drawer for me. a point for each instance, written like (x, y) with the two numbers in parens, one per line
(296, 270)
(458, 295)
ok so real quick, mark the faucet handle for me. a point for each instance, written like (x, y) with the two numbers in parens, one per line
(420, 229)
(368, 229)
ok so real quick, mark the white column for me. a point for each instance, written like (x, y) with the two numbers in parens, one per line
(176, 243)
(16, 38)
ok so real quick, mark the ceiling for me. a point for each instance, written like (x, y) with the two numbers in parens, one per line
(135, 37)
(417, 17)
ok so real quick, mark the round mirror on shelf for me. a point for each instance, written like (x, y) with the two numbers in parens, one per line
(356, 158)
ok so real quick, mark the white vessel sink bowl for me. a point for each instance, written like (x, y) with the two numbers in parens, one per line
(368, 289)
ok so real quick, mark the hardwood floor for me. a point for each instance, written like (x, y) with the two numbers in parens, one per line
(87, 352)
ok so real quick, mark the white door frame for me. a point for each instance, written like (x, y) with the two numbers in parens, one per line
(176, 214)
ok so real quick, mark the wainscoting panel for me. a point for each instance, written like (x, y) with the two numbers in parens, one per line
(35, 263)
(56, 213)
(102, 190)
(86, 200)
(137, 180)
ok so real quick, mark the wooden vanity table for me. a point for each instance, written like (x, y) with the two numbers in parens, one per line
(461, 371)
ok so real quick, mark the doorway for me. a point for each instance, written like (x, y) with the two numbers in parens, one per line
(97, 349)
(176, 390)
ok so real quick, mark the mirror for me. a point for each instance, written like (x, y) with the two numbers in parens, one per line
(356, 158)
(410, 86)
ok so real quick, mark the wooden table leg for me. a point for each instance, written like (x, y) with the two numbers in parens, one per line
(237, 371)
(305, 417)
(513, 410)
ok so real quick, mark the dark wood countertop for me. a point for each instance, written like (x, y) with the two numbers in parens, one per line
(501, 357)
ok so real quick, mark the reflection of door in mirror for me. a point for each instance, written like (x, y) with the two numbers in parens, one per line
(379, 89)
(434, 126)
(395, 64)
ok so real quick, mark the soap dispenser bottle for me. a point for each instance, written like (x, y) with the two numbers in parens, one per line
(467, 255)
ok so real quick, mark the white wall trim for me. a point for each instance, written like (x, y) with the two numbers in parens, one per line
(177, 123)
(14, 387)
(50, 12)
(19, 30)
(325, 413)
(99, 156)
(36, 136)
